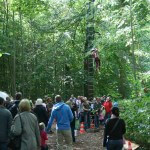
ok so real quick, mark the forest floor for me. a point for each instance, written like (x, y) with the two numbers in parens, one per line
(86, 141)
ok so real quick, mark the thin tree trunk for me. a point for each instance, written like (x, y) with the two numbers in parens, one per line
(88, 60)
(14, 58)
(7, 17)
(22, 55)
(54, 69)
(133, 44)
(4, 16)
(133, 47)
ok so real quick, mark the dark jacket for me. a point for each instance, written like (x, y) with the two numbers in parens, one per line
(73, 109)
(5, 124)
(97, 106)
(117, 133)
(41, 114)
(14, 108)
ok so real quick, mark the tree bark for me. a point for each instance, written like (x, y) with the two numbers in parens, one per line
(88, 60)
(14, 60)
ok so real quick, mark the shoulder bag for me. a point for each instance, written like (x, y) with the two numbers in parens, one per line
(114, 127)
(15, 141)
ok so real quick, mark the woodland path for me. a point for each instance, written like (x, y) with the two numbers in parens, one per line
(86, 141)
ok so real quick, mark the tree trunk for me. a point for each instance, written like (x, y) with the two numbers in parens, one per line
(14, 60)
(133, 47)
(22, 55)
(132, 36)
(88, 60)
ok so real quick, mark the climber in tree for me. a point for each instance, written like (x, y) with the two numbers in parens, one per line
(96, 58)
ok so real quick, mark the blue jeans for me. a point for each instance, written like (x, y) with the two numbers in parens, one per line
(3, 146)
(81, 117)
(86, 120)
(72, 132)
(115, 145)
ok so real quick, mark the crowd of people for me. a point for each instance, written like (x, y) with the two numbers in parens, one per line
(32, 121)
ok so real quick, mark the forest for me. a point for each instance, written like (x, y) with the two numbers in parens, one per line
(43, 47)
(46, 46)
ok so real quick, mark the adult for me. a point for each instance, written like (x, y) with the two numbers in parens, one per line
(108, 106)
(73, 99)
(114, 131)
(5, 125)
(40, 111)
(61, 112)
(14, 108)
(97, 107)
(96, 58)
(8, 103)
(115, 104)
(49, 105)
(73, 107)
(78, 103)
(103, 98)
(80, 109)
(27, 125)
(86, 111)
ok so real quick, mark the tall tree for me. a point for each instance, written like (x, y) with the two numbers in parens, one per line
(89, 44)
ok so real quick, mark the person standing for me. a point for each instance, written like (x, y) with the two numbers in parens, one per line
(26, 124)
(86, 109)
(97, 107)
(114, 130)
(14, 108)
(73, 107)
(108, 106)
(61, 112)
(49, 105)
(5, 125)
(40, 111)
(80, 109)
(44, 136)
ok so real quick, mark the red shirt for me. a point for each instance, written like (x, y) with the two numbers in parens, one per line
(108, 106)
(44, 137)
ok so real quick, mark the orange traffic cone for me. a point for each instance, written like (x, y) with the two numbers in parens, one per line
(129, 146)
(92, 125)
(82, 128)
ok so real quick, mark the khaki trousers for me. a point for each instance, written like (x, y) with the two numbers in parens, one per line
(67, 137)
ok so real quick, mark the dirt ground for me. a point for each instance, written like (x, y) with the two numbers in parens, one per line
(87, 141)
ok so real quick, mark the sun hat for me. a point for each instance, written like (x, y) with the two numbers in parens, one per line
(39, 101)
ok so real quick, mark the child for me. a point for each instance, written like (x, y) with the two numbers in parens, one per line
(101, 116)
(44, 137)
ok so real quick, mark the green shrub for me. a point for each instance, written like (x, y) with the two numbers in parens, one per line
(136, 114)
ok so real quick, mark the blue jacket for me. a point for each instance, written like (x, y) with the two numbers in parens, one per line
(63, 115)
